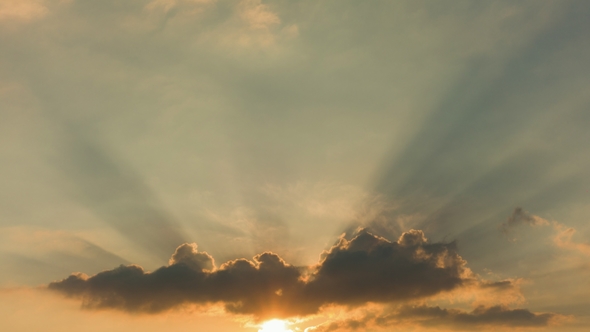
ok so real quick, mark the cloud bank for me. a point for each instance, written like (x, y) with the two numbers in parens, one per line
(352, 273)
(428, 316)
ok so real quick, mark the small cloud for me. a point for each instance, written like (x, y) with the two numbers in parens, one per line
(563, 239)
(563, 234)
(436, 317)
(480, 316)
(257, 15)
(520, 216)
(187, 254)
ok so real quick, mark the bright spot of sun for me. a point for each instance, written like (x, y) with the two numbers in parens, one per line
(275, 325)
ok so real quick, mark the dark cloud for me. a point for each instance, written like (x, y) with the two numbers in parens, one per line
(500, 285)
(436, 316)
(371, 269)
(250, 287)
(188, 254)
(495, 315)
(344, 325)
(364, 269)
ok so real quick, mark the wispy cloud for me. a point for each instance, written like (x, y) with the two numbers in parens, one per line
(563, 234)
(563, 239)
(519, 216)
(257, 15)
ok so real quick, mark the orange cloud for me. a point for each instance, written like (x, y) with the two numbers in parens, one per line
(563, 239)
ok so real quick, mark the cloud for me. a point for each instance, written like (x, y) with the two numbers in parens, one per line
(372, 269)
(251, 25)
(244, 286)
(563, 234)
(257, 15)
(496, 315)
(563, 239)
(520, 216)
(187, 254)
(352, 273)
(435, 316)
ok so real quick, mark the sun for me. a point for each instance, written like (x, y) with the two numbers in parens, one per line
(275, 325)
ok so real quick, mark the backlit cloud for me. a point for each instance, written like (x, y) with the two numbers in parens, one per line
(352, 273)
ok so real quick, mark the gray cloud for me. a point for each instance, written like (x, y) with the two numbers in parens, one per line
(520, 216)
(495, 315)
(244, 286)
(366, 268)
(188, 254)
(371, 269)
(428, 316)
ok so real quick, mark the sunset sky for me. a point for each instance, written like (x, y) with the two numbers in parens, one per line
(302, 166)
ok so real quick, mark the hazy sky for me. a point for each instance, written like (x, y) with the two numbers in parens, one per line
(208, 165)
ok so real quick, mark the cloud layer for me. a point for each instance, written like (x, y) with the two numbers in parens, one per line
(366, 268)
(352, 273)
(428, 316)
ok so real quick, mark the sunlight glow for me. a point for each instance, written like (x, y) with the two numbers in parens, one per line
(275, 325)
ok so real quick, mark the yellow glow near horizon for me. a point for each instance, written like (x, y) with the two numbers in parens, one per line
(275, 325)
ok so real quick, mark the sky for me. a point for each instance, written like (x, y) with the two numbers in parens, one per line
(302, 166)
